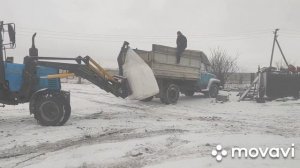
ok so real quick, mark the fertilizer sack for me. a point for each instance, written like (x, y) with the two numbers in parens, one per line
(140, 76)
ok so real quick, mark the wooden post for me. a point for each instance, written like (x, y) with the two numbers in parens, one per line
(273, 47)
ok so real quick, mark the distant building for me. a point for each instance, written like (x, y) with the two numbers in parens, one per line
(241, 78)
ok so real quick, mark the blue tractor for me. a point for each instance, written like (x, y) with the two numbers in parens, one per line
(37, 80)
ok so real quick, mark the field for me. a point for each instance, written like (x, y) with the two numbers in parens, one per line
(106, 131)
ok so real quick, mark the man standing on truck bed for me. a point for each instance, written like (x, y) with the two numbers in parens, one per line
(181, 45)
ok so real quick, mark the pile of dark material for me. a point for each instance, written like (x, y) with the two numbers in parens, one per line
(282, 84)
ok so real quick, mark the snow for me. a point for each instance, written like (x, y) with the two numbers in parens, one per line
(106, 131)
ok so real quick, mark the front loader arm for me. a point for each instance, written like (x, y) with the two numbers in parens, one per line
(88, 69)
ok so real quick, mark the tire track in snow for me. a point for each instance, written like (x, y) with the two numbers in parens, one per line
(27, 153)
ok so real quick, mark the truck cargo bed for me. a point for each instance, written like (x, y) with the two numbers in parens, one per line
(162, 60)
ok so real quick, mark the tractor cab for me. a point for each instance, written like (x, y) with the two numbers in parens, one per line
(14, 88)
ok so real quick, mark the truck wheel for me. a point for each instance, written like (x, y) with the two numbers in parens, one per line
(213, 91)
(50, 110)
(162, 93)
(147, 99)
(171, 94)
(189, 93)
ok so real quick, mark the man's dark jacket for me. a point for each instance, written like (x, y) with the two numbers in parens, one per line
(181, 42)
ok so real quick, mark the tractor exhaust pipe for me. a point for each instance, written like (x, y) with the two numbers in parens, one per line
(33, 51)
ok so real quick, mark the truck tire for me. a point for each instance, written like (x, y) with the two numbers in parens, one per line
(147, 99)
(213, 91)
(189, 93)
(171, 94)
(51, 110)
(162, 92)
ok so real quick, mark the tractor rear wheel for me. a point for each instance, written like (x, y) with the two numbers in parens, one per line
(51, 110)
(67, 113)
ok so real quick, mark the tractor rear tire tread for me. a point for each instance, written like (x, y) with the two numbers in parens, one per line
(61, 104)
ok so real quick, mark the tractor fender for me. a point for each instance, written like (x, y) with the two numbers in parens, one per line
(211, 82)
(35, 95)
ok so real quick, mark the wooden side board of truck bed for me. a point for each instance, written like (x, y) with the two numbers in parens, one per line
(162, 60)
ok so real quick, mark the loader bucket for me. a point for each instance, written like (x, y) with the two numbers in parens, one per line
(124, 87)
(140, 78)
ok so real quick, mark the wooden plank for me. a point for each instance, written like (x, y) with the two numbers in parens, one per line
(176, 71)
(171, 59)
(172, 50)
(247, 91)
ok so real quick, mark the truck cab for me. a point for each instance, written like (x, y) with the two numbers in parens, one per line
(208, 84)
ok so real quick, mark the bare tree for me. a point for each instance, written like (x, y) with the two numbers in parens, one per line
(222, 64)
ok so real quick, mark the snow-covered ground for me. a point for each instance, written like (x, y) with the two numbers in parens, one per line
(106, 131)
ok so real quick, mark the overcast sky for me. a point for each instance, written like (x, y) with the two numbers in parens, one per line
(68, 28)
